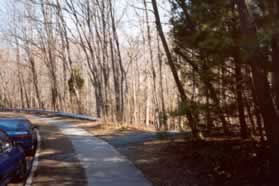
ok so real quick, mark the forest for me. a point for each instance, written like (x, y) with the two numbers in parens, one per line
(209, 67)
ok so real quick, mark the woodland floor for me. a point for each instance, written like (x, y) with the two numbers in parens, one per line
(182, 162)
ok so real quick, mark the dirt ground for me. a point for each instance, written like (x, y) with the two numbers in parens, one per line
(182, 162)
(165, 161)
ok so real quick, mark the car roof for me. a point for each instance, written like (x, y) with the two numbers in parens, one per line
(14, 119)
(17, 118)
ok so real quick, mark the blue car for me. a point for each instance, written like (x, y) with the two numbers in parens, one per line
(12, 161)
(22, 132)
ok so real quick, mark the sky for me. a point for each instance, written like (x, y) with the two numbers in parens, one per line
(129, 24)
(128, 13)
(3, 19)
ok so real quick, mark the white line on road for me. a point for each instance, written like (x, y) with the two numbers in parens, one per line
(35, 163)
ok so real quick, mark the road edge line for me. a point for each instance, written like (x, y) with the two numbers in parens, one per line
(35, 163)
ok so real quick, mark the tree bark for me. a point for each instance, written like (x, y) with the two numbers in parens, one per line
(262, 88)
(239, 96)
(192, 120)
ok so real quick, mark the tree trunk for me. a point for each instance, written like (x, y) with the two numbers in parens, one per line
(239, 96)
(275, 67)
(147, 111)
(211, 90)
(163, 116)
(262, 88)
(192, 120)
(120, 63)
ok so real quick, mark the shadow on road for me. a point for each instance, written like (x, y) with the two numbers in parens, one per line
(58, 162)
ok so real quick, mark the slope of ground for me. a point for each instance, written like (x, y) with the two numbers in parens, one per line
(182, 162)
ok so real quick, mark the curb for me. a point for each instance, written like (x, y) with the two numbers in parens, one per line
(35, 162)
(63, 114)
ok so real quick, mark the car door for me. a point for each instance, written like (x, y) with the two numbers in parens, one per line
(8, 158)
(4, 170)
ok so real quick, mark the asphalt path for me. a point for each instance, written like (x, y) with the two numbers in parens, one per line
(103, 164)
(139, 138)
(70, 155)
(58, 161)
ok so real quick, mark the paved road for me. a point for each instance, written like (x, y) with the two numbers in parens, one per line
(58, 161)
(103, 164)
(139, 138)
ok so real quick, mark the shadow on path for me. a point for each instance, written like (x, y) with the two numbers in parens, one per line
(59, 164)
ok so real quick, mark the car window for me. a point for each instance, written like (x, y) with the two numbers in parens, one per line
(12, 125)
(9, 124)
(23, 124)
(4, 137)
(5, 142)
